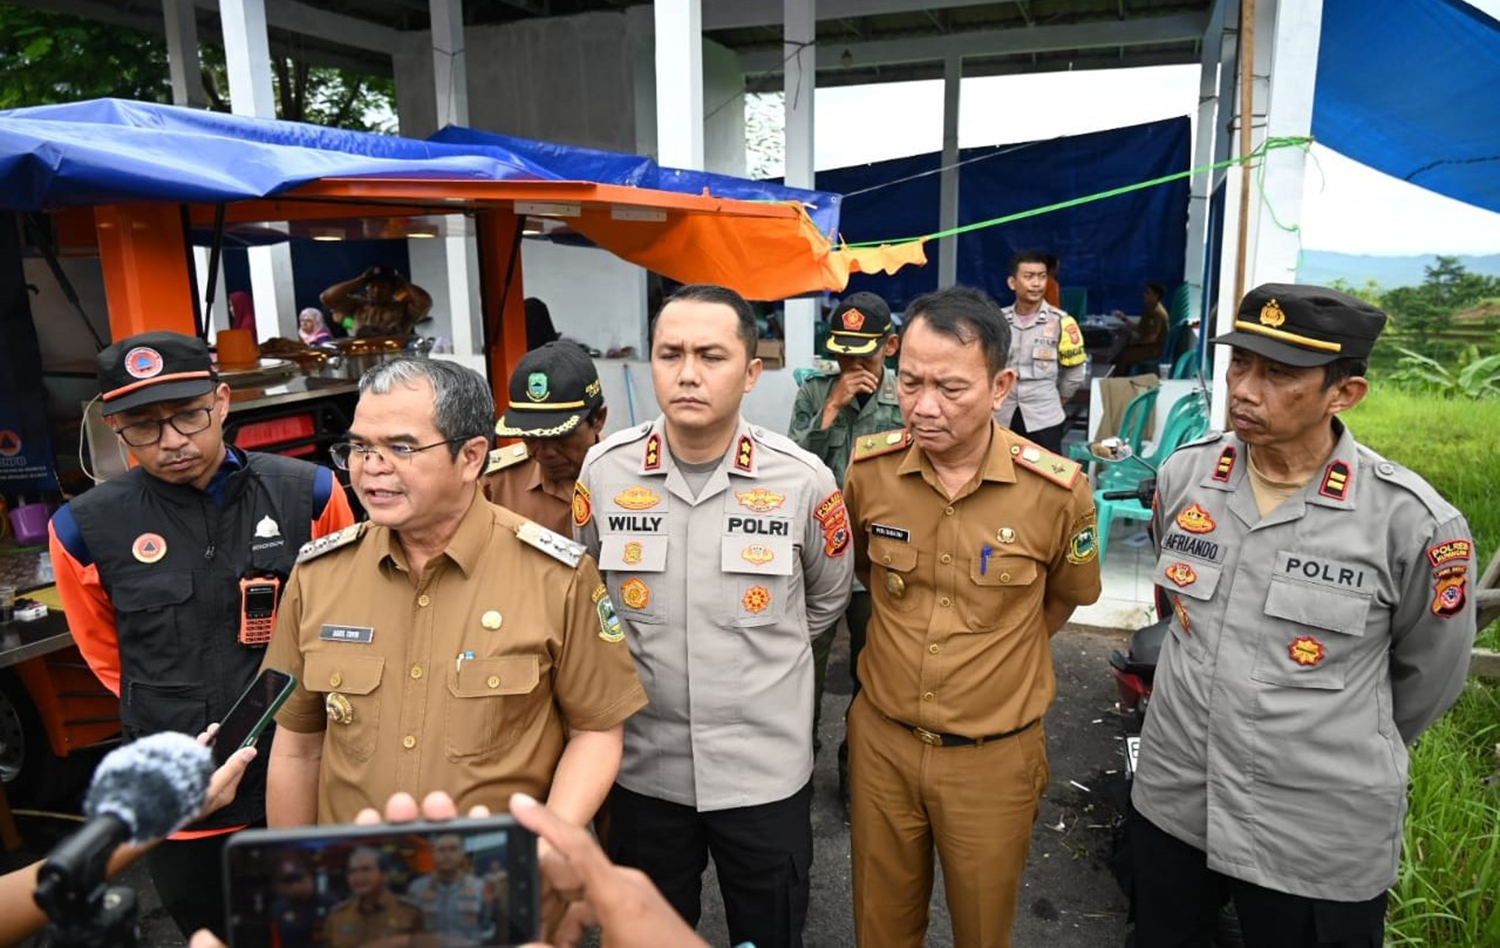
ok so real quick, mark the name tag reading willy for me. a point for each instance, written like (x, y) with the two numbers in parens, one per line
(347, 633)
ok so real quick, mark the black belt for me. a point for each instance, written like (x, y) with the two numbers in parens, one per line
(958, 740)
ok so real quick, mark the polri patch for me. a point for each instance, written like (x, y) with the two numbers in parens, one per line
(361, 634)
(636, 593)
(890, 533)
(1449, 550)
(1450, 591)
(583, 508)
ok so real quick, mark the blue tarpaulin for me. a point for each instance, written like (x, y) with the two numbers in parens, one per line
(1408, 87)
(112, 150)
(1112, 247)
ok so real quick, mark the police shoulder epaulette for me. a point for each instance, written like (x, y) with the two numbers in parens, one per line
(316, 548)
(502, 458)
(1437, 505)
(1058, 470)
(873, 446)
(623, 436)
(553, 544)
(1211, 437)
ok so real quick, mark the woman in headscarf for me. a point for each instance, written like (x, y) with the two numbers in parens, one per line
(311, 327)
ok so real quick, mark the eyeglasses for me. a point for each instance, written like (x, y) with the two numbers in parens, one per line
(345, 452)
(144, 433)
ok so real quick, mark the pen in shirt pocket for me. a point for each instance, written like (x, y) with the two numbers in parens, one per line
(984, 558)
(458, 663)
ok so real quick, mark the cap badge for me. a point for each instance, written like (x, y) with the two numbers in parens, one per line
(757, 599)
(637, 498)
(536, 386)
(149, 547)
(143, 362)
(1306, 650)
(635, 593)
(1271, 314)
(854, 320)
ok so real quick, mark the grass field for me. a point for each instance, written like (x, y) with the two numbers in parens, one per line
(1448, 890)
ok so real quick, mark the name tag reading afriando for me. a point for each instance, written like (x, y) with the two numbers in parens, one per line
(362, 634)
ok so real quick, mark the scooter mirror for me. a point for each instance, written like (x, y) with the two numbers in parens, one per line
(1111, 449)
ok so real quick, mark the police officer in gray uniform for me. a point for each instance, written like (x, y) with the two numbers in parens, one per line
(1321, 621)
(725, 550)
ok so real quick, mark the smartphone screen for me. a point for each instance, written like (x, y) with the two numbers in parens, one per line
(252, 712)
(461, 882)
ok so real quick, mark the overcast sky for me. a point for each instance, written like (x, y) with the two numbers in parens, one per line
(1347, 206)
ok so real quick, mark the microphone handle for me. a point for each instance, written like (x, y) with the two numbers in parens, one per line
(73, 875)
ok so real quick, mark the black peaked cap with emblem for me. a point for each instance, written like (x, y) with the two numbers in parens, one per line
(859, 324)
(1304, 325)
(153, 367)
(552, 390)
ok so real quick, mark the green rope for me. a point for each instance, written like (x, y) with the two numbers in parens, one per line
(1268, 145)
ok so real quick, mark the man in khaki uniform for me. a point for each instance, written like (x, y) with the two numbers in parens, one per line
(1046, 353)
(725, 546)
(976, 546)
(557, 408)
(448, 644)
(373, 915)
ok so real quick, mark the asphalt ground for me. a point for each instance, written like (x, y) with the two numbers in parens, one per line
(1068, 897)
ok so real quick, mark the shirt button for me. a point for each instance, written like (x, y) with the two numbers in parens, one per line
(1004, 577)
(928, 696)
(408, 742)
(947, 511)
(945, 602)
(416, 671)
(494, 681)
(934, 648)
(946, 558)
(424, 599)
(886, 559)
(335, 679)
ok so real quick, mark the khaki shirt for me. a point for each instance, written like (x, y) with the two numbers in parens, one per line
(464, 679)
(1307, 649)
(514, 481)
(1046, 350)
(957, 643)
(833, 445)
(721, 596)
(350, 925)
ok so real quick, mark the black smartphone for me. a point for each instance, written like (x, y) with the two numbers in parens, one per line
(460, 882)
(254, 710)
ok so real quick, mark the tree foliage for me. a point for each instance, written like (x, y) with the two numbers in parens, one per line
(1427, 311)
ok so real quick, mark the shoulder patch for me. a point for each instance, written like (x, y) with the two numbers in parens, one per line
(1058, 470)
(873, 446)
(508, 456)
(316, 548)
(554, 545)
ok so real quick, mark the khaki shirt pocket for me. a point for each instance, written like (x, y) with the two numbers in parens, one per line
(357, 679)
(490, 701)
(1315, 643)
(995, 587)
(1190, 583)
(893, 568)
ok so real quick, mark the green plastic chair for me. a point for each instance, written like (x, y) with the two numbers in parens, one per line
(1190, 423)
(1186, 365)
(1132, 427)
(1181, 306)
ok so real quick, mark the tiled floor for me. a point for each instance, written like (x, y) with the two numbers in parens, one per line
(1126, 568)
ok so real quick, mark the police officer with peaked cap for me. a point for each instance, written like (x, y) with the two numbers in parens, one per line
(557, 409)
(1322, 619)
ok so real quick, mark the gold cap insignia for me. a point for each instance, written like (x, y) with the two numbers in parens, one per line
(1271, 314)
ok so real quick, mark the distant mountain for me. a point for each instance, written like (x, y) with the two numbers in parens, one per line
(1325, 266)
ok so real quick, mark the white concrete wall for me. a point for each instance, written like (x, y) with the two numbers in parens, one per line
(594, 297)
(769, 404)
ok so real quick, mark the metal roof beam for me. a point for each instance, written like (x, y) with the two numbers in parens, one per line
(1140, 31)
(739, 14)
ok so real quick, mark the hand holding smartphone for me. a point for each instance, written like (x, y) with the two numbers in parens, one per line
(251, 714)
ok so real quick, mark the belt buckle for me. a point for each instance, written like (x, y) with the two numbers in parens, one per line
(927, 737)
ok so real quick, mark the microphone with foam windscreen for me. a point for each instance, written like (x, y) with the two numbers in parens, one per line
(140, 792)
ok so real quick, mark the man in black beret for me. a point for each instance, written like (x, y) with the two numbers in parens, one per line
(1321, 620)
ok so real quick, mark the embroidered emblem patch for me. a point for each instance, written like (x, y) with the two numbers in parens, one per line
(834, 519)
(757, 599)
(1182, 574)
(583, 510)
(1226, 464)
(1306, 650)
(1449, 550)
(854, 320)
(1082, 547)
(143, 362)
(1335, 481)
(759, 499)
(1271, 314)
(637, 498)
(1194, 519)
(609, 623)
(149, 547)
(1450, 591)
(757, 554)
(635, 593)
(599, 593)
(633, 552)
(537, 388)
(267, 529)
(653, 453)
(744, 455)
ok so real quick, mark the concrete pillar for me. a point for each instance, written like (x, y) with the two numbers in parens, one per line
(182, 53)
(953, 68)
(798, 34)
(1203, 150)
(679, 83)
(449, 70)
(247, 55)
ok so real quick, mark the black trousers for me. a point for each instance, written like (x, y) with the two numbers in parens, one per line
(1177, 900)
(189, 878)
(763, 855)
(1049, 438)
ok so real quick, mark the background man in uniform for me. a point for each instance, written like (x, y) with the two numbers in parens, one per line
(379, 302)
(448, 644)
(1322, 621)
(297, 911)
(1148, 334)
(557, 408)
(372, 914)
(150, 567)
(1046, 354)
(725, 546)
(457, 903)
(830, 413)
(976, 547)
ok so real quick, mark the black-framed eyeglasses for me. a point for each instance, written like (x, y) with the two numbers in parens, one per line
(344, 452)
(144, 433)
